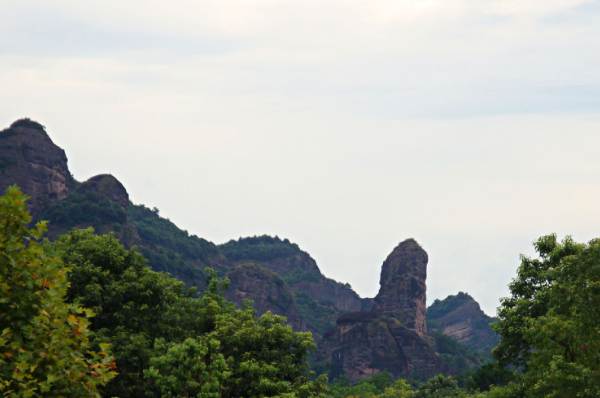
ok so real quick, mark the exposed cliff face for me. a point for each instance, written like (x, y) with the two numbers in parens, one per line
(303, 275)
(461, 318)
(30, 159)
(403, 292)
(365, 343)
(392, 335)
(267, 290)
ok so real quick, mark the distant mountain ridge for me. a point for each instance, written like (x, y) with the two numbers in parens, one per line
(274, 273)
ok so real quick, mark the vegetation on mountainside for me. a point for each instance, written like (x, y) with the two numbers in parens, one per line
(157, 230)
(170, 249)
(482, 339)
(454, 354)
(25, 123)
(259, 248)
(46, 346)
(319, 316)
(89, 209)
(153, 322)
(440, 308)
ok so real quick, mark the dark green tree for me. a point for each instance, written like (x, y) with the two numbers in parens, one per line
(235, 354)
(133, 305)
(550, 324)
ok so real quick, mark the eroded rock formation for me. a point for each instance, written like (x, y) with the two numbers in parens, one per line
(392, 335)
(403, 291)
(108, 186)
(268, 292)
(31, 160)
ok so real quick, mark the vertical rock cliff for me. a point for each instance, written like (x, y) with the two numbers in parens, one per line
(403, 292)
(392, 335)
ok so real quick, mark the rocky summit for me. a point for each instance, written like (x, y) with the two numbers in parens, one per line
(403, 292)
(31, 160)
(392, 336)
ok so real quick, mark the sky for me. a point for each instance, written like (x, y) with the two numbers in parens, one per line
(345, 126)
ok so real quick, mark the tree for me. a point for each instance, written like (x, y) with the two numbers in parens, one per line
(170, 343)
(134, 305)
(551, 323)
(237, 354)
(46, 348)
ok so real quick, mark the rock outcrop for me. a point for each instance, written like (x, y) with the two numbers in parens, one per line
(267, 290)
(320, 299)
(365, 343)
(392, 335)
(108, 186)
(403, 291)
(461, 318)
(31, 160)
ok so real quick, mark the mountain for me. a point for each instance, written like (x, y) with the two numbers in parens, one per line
(320, 299)
(267, 290)
(392, 336)
(460, 317)
(31, 160)
(358, 336)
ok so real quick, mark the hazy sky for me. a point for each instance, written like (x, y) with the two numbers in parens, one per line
(345, 126)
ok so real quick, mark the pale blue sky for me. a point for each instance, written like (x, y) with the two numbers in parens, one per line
(345, 126)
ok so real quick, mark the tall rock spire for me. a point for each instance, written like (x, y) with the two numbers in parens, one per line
(403, 292)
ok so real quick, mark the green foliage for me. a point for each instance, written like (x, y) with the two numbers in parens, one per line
(169, 343)
(259, 248)
(318, 316)
(454, 354)
(380, 385)
(549, 325)
(27, 123)
(89, 208)
(235, 354)
(161, 231)
(439, 386)
(486, 340)
(192, 368)
(300, 275)
(488, 375)
(46, 348)
(440, 308)
(133, 304)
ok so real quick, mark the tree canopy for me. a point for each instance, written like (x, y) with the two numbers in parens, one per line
(550, 324)
(46, 347)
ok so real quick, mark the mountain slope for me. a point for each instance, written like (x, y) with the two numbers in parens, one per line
(320, 299)
(460, 317)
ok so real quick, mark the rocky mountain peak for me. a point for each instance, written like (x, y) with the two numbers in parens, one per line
(403, 291)
(108, 186)
(31, 160)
